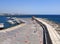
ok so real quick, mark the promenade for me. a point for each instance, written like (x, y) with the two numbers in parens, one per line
(30, 33)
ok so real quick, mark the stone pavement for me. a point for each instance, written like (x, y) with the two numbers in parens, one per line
(31, 33)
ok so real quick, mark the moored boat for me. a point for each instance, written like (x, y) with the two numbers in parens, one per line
(1, 26)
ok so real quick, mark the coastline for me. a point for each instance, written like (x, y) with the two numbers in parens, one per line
(12, 28)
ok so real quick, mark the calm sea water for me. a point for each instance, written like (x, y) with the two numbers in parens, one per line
(55, 18)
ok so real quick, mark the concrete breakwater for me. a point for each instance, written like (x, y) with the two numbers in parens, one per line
(31, 32)
(55, 38)
(53, 24)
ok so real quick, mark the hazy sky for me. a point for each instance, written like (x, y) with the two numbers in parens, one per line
(30, 6)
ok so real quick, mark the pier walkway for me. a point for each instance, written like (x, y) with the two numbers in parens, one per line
(34, 31)
(30, 33)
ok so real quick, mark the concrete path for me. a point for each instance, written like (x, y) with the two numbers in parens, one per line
(31, 33)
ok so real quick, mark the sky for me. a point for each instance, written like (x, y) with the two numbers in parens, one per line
(30, 6)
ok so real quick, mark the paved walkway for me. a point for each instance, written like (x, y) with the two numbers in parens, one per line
(28, 34)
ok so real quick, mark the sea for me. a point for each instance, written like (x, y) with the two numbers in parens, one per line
(3, 19)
